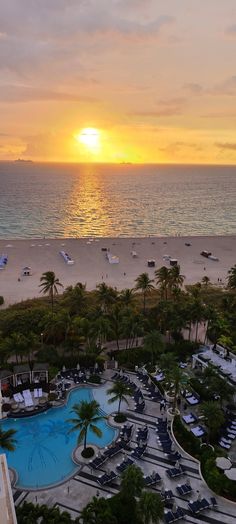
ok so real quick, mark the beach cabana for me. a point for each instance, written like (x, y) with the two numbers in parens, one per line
(151, 263)
(22, 374)
(40, 372)
(6, 379)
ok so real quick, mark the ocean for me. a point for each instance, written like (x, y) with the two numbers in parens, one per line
(69, 200)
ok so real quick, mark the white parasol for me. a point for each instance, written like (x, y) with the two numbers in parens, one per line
(223, 463)
(231, 473)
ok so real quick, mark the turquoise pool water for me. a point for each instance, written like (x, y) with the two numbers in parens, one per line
(43, 451)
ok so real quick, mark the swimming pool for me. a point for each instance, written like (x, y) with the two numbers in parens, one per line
(43, 454)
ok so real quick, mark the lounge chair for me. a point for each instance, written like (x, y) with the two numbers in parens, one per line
(223, 445)
(169, 517)
(138, 452)
(190, 418)
(167, 495)
(184, 489)
(198, 431)
(106, 478)
(175, 472)
(172, 457)
(151, 480)
(214, 502)
(124, 465)
(97, 462)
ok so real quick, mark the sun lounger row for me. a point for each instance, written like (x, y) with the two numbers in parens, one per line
(190, 418)
(106, 478)
(124, 465)
(66, 257)
(184, 489)
(152, 480)
(174, 516)
(199, 505)
(3, 261)
(138, 452)
(38, 392)
(175, 472)
(142, 434)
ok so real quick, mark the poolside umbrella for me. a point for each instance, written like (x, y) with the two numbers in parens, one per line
(231, 474)
(78, 366)
(187, 481)
(223, 463)
(177, 464)
(99, 453)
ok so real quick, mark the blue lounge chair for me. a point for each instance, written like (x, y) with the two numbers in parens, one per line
(124, 465)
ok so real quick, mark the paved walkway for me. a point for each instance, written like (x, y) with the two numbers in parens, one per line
(76, 493)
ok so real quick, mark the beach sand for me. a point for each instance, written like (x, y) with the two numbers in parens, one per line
(91, 266)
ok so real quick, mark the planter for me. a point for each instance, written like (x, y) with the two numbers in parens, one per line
(169, 397)
(172, 413)
(78, 458)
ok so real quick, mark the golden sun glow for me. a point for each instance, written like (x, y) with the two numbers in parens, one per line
(90, 138)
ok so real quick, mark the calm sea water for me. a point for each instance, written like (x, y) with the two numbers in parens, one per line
(106, 200)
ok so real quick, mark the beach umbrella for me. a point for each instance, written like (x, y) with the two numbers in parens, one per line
(163, 489)
(223, 463)
(231, 474)
(187, 481)
(177, 464)
(78, 366)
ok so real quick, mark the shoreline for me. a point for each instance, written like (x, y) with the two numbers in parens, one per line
(91, 266)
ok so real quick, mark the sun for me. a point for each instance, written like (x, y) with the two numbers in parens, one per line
(90, 138)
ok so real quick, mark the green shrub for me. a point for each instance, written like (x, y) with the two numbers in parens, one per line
(95, 379)
(187, 440)
(1, 300)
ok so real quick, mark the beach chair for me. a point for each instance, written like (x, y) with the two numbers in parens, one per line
(184, 489)
(214, 502)
(169, 517)
(97, 462)
(106, 478)
(175, 472)
(138, 452)
(151, 480)
(172, 457)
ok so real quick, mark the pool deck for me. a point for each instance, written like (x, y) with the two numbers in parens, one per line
(74, 494)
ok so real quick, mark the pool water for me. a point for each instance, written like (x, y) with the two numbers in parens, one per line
(44, 447)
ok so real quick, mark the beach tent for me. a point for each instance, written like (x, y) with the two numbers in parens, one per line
(112, 259)
(26, 271)
(173, 262)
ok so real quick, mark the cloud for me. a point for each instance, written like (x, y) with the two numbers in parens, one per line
(231, 31)
(22, 93)
(228, 87)
(165, 108)
(226, 145)
(194, 88)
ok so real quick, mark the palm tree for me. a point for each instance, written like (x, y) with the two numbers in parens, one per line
(154, 343)
(49, 285)
(163, 277)
(88, 416)
(232, 278)
(178, 379)
(150, 507)
(144, 283)
(6, 439)
(213, 417)
(127, 297)
(106, 296)
(119, 391)
(97, 511)
(206, 281)
(175, 277)
(132, 481)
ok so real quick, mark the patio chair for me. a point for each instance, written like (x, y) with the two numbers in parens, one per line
(124, 465)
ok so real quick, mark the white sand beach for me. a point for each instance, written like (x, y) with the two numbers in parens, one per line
(92, 267)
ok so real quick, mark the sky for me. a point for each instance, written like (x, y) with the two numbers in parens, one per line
(155, 79)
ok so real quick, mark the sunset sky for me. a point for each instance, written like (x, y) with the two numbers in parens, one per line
(155, 79)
